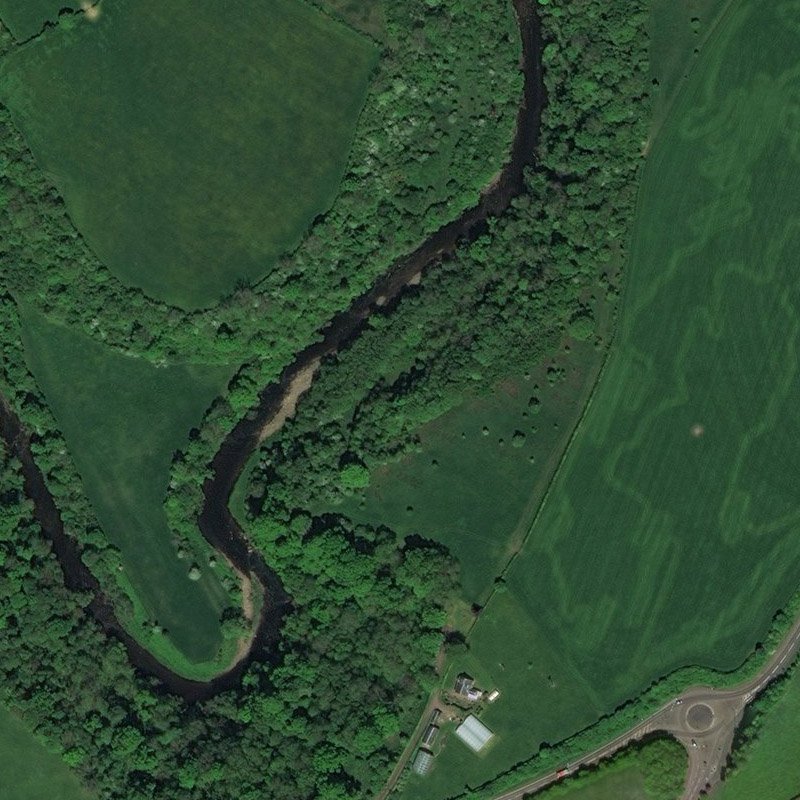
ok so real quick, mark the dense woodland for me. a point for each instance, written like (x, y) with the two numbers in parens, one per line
(355, 657)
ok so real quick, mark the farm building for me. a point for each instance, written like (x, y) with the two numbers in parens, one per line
(429, 736)
(463, 684)
(435, 714)
(474, 733)
(423, 761)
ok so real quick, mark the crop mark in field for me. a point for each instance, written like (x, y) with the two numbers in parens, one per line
(91, 11)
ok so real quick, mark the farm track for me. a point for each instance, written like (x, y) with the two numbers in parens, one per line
(277, 402)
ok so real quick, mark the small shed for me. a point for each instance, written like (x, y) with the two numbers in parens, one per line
(423, 762)
(474, 733)
(435, 714)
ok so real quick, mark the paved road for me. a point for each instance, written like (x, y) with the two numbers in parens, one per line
(703, 719)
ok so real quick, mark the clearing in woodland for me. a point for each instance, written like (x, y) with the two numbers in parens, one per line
(122, 419)
(668, 537)
(192, 147)
(508, 444)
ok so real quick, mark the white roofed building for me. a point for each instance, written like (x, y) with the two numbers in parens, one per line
(474, 733)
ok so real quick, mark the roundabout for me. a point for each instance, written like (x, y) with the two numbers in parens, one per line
(699, 717)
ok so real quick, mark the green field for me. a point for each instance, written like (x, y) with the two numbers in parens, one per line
(771, 768)
(192, 146)
(368, 16)
(30, 772)
(669, 536)
(679, 30)
(122, 419)
(654, 771)
(507, 443)
(26, 18)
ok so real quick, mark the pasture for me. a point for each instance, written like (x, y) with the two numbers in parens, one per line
(122, 419)
(26, 19)
(192, 146)
(679, 30)
(771, 768)
(482, 468)
(28, 770)
(669, 536)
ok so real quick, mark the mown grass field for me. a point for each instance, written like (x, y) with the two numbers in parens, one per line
(669, 535)
(28, 771)
(192, 144)
(122, 419)
(26, 19)
(482, 468)
(771, 768)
